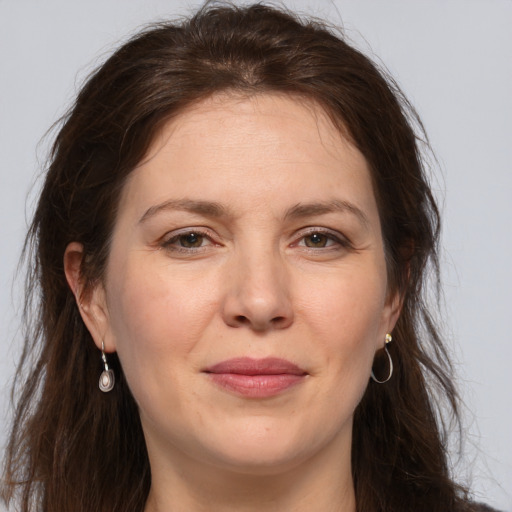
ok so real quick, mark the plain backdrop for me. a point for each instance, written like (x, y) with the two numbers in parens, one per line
(453, 58)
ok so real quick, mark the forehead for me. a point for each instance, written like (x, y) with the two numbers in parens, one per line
(234, 119)
(265, 143)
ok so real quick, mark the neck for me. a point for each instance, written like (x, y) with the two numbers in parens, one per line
(322, 485)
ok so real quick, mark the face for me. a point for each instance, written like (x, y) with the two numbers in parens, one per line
(246, 289)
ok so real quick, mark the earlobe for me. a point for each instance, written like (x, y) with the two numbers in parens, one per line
(91, 302)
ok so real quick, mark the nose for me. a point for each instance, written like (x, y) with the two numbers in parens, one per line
(258, 294)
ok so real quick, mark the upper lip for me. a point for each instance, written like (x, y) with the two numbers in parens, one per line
(250, 366)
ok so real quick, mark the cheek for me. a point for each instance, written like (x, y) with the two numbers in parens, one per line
(348, 305)
(346, 316)
(156, 320)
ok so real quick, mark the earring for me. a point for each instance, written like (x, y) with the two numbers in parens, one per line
(107, 378)
(388, 340)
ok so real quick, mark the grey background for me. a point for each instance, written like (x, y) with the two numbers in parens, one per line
(452, 58)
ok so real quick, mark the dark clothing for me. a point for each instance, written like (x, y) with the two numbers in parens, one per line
(481, 507)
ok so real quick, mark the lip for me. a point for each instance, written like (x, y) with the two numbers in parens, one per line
(256, 378)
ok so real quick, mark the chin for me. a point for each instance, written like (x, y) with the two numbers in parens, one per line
(254, 461)
(263, 447)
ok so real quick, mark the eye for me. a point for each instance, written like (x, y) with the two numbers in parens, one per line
(190, 240)
(317, 240)
(187, 240)
(321, 239)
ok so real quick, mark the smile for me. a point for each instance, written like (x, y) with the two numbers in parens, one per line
(256, 378)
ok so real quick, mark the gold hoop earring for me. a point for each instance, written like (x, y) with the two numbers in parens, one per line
(107, 377)
(388, 340)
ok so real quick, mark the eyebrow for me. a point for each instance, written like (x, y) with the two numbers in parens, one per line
(207, 208)
(213, 209)
(302, 210)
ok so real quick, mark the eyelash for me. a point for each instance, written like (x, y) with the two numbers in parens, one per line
(338, 240)
(334, 239)
(168, 243)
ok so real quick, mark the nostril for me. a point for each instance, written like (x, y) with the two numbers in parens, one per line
(258, 321)
(276, 321)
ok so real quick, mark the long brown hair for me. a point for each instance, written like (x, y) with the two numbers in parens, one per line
(73, 448)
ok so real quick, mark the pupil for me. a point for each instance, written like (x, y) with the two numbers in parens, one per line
(191, 240)
(316, 240)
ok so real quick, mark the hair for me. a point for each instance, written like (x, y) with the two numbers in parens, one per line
(75, 448)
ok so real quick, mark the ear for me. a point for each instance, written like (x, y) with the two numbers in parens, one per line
(91, 302)
(391, 313)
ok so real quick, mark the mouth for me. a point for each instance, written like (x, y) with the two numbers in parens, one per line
(256, 378)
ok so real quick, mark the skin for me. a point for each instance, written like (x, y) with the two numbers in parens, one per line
(263, 276)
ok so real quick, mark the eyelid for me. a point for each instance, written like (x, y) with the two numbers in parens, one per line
(333, 235)
(169, 238)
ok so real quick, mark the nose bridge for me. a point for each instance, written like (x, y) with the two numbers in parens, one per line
(259, 292)
(262, 277)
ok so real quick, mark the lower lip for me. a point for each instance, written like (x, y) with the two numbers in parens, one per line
(256, 386)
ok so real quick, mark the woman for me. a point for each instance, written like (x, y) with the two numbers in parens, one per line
(231, 243)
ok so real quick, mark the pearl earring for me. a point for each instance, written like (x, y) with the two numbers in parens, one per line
(107, 378)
